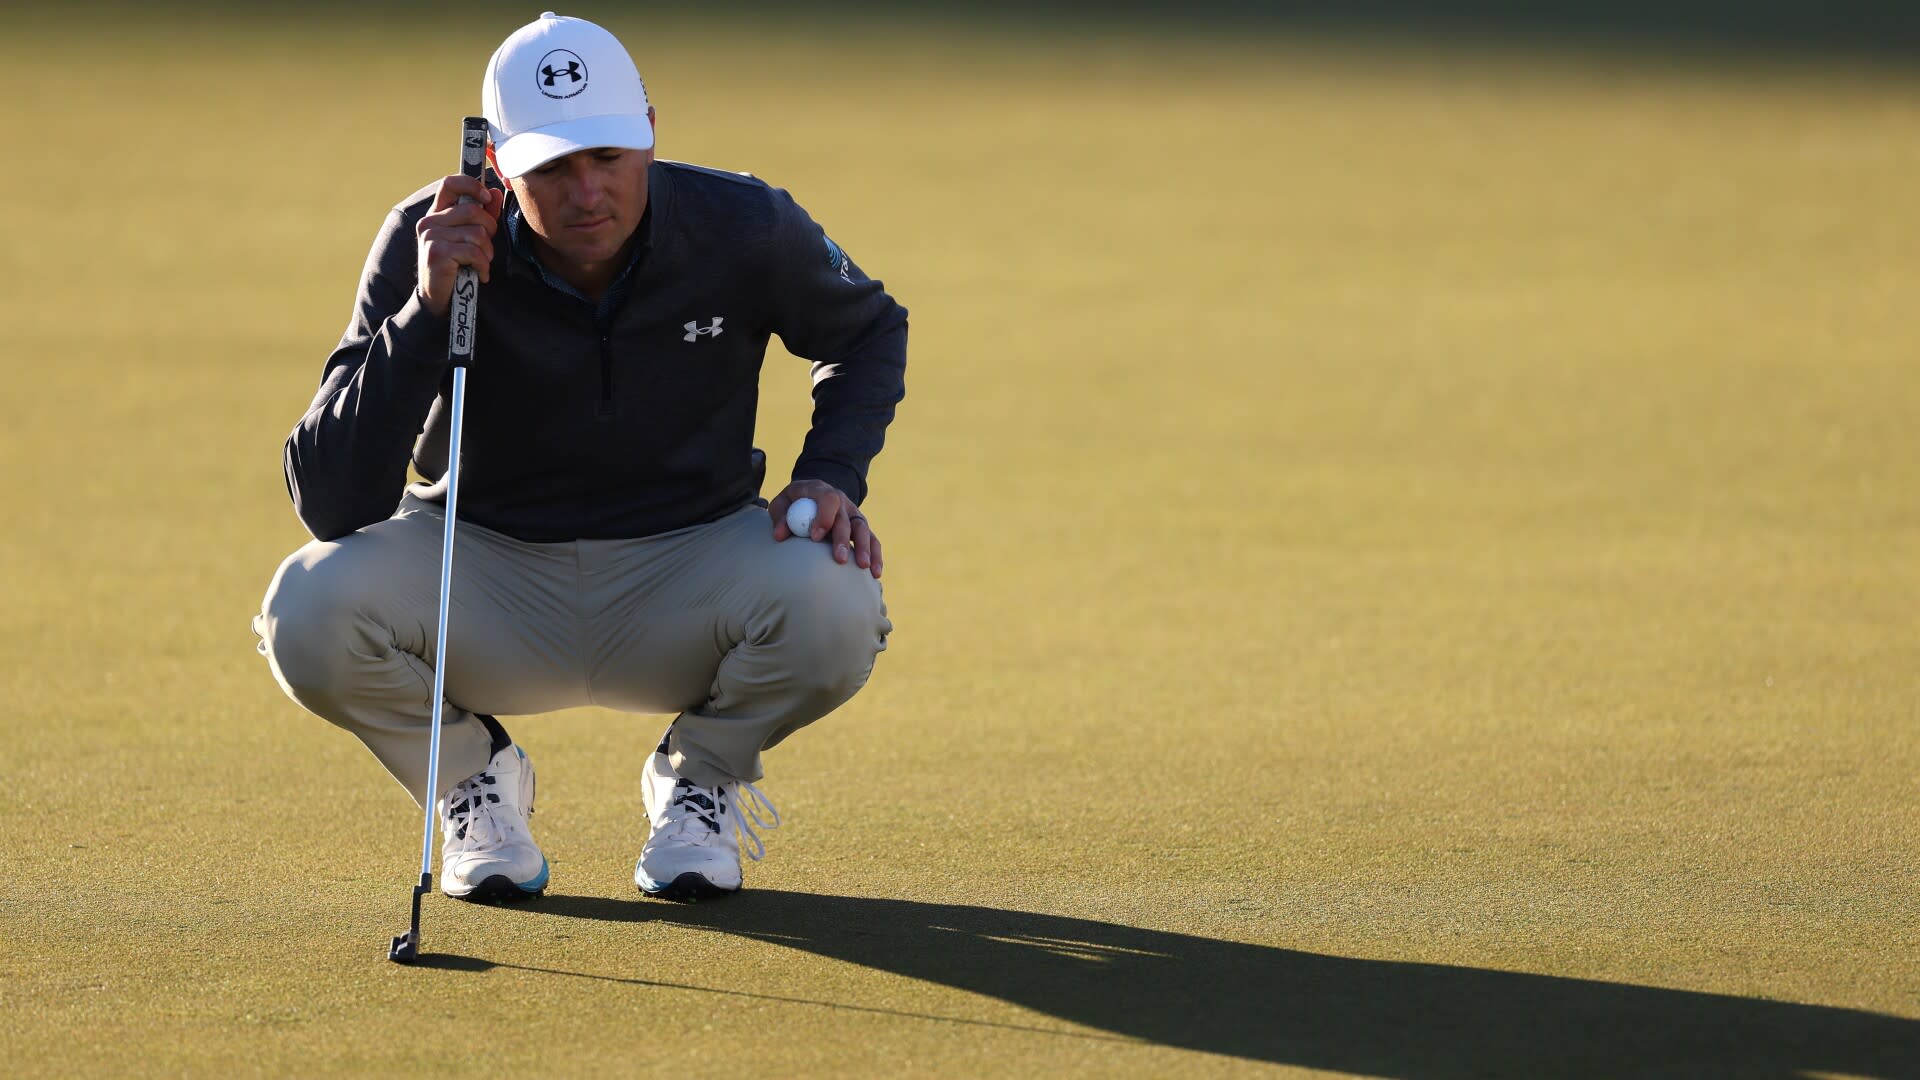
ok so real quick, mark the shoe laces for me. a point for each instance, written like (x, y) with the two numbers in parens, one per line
(469, 810)
(705, 806)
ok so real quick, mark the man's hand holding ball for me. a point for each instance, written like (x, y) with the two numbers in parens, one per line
(818, 511)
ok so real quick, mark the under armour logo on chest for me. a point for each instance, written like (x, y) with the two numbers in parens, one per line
(695, 331)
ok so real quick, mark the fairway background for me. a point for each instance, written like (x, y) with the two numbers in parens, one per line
(1368, 515)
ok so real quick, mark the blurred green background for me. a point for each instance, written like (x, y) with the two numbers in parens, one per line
(1403, 538)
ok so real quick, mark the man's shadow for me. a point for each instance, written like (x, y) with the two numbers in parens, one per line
(1375, 1017)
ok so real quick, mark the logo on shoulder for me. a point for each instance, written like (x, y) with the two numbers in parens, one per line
(561, 74)
(838, 260)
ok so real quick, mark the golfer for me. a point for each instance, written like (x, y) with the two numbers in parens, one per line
(613, 549)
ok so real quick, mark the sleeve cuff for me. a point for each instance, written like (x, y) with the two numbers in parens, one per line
(849, 480)
(419, 334)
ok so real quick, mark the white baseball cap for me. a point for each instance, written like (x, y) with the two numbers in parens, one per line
(558, 85)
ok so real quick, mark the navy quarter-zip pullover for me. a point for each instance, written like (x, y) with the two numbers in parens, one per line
(624, 421)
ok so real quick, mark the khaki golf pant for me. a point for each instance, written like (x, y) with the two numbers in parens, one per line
(746, 639)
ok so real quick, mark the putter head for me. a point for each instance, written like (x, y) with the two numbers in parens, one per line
(405, 948)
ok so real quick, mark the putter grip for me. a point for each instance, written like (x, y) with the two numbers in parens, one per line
(464, 317)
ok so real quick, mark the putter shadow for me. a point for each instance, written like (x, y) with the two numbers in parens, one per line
(1374, 1017)
(452, 962)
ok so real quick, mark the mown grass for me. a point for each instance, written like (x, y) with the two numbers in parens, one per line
(1354, 504)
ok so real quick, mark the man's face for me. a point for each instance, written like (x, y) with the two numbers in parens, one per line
(587, 204)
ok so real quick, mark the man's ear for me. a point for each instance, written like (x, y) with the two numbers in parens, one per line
(494, 164)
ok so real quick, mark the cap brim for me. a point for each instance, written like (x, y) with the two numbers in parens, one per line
(531, 149)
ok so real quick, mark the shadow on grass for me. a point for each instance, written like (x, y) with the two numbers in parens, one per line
(1376, 1017)
(453, 962)
(456, 962)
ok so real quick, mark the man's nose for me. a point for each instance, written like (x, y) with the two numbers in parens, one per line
(583, 188)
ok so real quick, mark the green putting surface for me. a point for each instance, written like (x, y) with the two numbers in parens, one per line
(1405, 562)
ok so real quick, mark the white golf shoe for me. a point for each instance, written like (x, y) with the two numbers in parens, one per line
(692, 852)
(486, 850)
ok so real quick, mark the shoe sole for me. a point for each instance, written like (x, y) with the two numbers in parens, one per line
(501, 889)
(687, 888)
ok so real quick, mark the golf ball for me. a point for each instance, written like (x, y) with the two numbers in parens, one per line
(800, 516)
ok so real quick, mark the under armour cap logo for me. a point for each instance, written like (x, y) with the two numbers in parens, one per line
(562, 74)
(695, 331)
